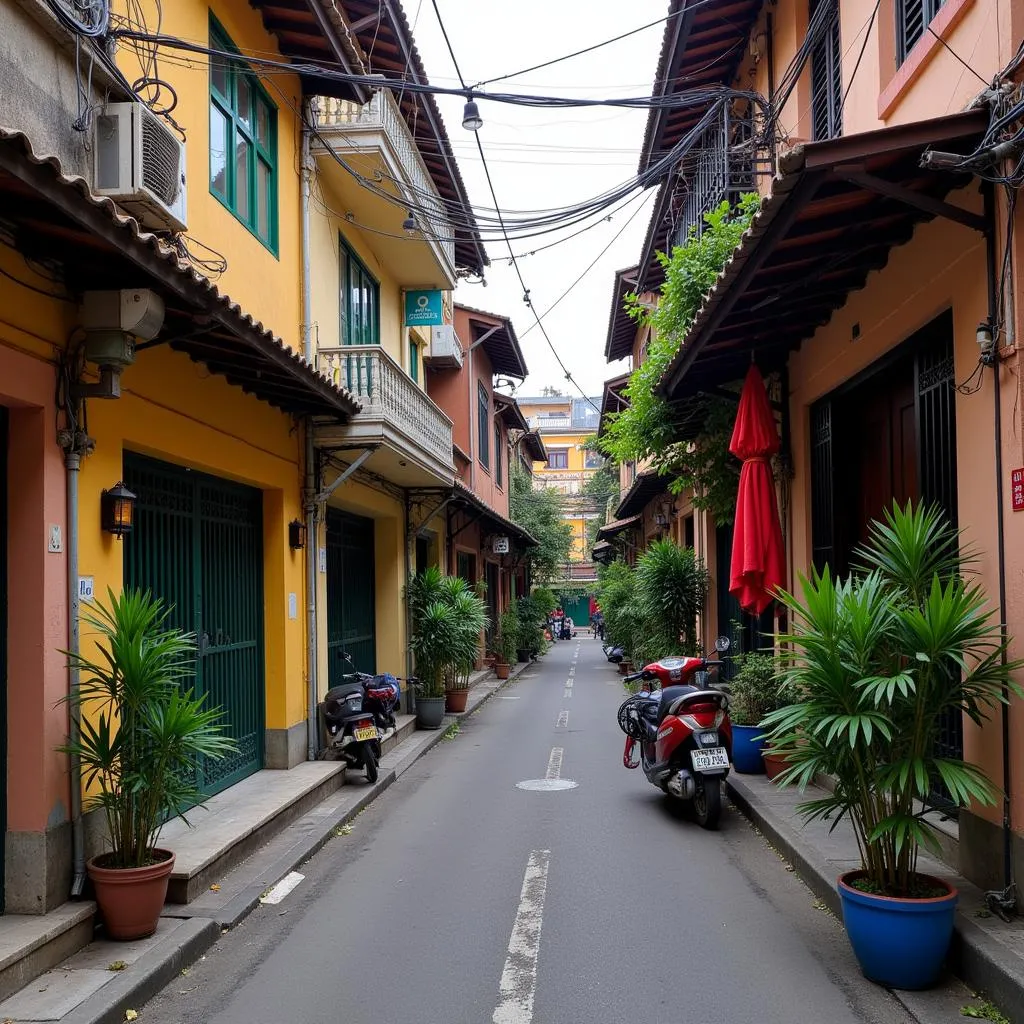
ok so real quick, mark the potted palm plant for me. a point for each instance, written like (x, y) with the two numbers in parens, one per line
(506, 643)
(141, 737)
(448, 618)
(752, 695)
(878, 661)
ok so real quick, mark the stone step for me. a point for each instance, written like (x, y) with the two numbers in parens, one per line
(31, 944)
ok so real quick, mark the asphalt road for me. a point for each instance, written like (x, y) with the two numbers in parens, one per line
(458, 897)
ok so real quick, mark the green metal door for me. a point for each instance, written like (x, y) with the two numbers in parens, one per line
(198, 544)
(351, 616)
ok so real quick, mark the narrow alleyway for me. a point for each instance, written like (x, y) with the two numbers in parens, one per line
(459, 897)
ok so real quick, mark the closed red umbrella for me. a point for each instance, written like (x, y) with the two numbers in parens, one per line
(758, 554)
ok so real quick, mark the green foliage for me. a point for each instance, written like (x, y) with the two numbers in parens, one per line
(878, 660)
(602, 490)
(616, 594)
(532, 616)
(448, 617)
(648, 428)
(545, 600)
(670, 591)
(754, 689)
(142, 734)
(506, 642)
(540, 514)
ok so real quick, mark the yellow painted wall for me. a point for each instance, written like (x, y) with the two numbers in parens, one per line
(388, 515)
(266, 285)
(174, 410)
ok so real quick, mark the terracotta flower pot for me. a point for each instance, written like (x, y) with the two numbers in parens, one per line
(774, 764)
(501, 670)
(130, 899)
(455, 701)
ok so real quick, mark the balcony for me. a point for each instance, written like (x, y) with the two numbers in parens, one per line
(414, 435)
(550, 422)
(375, 142)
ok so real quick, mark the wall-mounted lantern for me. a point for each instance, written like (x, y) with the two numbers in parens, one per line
(296, 535)
(117, 510)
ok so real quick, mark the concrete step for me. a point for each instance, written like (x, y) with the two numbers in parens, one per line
(31, 944)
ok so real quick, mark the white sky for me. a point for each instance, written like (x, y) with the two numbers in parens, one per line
(544, 158)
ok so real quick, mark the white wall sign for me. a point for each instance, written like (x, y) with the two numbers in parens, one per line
(500, 545)
(86, 588)
(55, 539)
(322, 560)
(293, 606)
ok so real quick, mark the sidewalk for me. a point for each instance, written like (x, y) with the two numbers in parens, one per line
(103, 981)
(987, 954)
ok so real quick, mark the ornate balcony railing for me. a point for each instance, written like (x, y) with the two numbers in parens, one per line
(381, 115)
(390, 398)
(720, 166)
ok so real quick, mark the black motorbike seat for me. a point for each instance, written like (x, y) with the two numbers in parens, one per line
(343, 692)
(670, 695)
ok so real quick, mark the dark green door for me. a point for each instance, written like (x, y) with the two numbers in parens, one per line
(198, 544)
(747, 633)
(351, 616)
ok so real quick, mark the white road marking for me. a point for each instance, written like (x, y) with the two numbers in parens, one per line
(547, 785)
(569, 682)
(519, 977)
(572, 670)
(568, 692)
(555, 764)
(563, 720)
(285, 886)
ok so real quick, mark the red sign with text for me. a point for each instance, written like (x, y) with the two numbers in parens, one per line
(1017, 489)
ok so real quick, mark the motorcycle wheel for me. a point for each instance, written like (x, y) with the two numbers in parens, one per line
(707, 803)
(370, 763)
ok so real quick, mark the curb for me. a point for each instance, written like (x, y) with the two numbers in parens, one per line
(975, 959)
(200, 930)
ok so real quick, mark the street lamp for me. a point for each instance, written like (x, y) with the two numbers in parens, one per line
(471, 119)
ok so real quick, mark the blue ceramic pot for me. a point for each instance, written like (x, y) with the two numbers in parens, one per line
(899, 943)
(747, 744)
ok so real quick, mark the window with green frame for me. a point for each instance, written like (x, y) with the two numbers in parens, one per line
(497, 455)
(358, 299)
(483, 401)
(243, 142)
(414, 361)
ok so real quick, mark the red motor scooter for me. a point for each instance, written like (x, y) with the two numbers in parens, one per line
(679, 731)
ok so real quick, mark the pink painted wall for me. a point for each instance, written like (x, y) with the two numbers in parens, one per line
(37, 780)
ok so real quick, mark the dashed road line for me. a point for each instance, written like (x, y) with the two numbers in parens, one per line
(518, 985)
(563, 720)
(568, 693)
(277, 893)
(555, 763)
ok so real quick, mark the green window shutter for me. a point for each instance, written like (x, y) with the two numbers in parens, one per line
(358, 299)
(243, 141)
(483, 425)
(414, 361)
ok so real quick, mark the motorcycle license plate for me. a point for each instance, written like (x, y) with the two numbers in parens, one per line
(709, 758)
(369, 733)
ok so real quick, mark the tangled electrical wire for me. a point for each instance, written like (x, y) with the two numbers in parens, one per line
(89, 18)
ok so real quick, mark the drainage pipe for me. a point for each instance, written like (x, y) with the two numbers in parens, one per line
(994, 317)
(72, 464)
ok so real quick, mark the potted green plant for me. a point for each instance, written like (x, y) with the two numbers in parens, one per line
(878, 661)
(506, 642)
(752, 695)
(448, 618)
(531, 629)
(141, 737)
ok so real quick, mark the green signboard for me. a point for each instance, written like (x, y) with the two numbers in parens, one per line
(423, 309)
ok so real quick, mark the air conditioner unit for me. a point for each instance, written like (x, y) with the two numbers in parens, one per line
(445, 348)
(140, 164)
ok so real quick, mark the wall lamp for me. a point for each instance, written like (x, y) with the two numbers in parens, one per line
(117, 510)
(296, 535)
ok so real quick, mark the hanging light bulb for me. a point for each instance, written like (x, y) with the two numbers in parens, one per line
(471, 119)
(409, 225)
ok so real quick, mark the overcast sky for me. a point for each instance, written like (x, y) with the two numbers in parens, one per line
(541, 158)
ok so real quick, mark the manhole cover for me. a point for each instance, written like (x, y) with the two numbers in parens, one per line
(546, 785)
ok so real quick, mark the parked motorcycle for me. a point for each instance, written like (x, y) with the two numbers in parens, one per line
(678, 730)
(614, 654)
(357, 716)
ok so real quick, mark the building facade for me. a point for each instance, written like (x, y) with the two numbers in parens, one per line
(886, 234)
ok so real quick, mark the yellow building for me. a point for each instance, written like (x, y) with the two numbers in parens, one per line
(565, 424)
(154, 318)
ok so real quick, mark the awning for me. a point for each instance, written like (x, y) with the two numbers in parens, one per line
(463, 497)
(618, 526)
(612, 399)
(56, 217)
(501, 346)
(603, 552)
(836, 210)
(534, 445)
(644, 489)
(622, 328)
(508, 411)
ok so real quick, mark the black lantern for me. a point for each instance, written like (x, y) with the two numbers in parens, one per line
(296, 535)
(117, 510)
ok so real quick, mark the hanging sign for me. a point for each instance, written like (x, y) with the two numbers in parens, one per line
(1017, 489)
(423, 309)
(500, 545)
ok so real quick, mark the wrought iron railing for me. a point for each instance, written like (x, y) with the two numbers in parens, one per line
(720, 166)
(382, 115)
(389, 395)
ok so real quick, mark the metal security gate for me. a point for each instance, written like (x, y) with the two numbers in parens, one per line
(747, 633)
(198, 544)
(351, 603)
